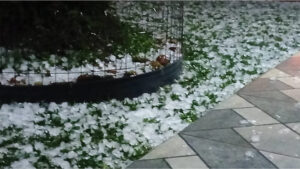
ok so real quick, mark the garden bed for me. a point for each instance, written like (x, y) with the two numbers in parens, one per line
(99, 63)
(106, 44)
(226, 46)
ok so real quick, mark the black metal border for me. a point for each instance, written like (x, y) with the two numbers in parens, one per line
(93, 90)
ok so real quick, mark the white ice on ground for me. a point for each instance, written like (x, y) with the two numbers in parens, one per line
(284, 131)
(247, 121)
(237, 29)
(244, 122)
(249, 154)
(22, 164)
(255, 137)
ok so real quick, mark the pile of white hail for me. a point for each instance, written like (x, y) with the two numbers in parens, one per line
(226, 46)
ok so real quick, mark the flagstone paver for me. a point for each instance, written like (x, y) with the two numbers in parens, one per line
(295, 127)
(255, 116)
(220, 135)
(222, 155)
(157, 163)
(273, 95)
(276, 104)
(234, 101)
(273, 138)
(275, 73)
(186, 162)
(171, 148)
(291, 66)
(259, 127)
(262, 84)
(291, 81)
(293, 93)
(282, 161)
(217, 119)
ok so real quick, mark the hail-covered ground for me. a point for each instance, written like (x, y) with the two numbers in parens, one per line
(114, 66)
(226, 46)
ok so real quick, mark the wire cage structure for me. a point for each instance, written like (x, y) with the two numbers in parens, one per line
(151, 58)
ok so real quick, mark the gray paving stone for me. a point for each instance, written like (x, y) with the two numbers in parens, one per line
(293, 93)
(234, 101)
(274, 73)
(186, 162)
(173, 147)
(221, 155)
(295, 127)
(149, 164)
(276, 104)
(221, 135)
(255, 116)
(291, 66)
(273, 138)
(282, 161)
(263, 84)
(217, 119)
(275, 95)
(291, 81)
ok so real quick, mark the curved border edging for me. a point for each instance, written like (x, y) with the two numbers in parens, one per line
(96, 90)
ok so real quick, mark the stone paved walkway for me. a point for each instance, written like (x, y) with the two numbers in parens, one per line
(259, 127)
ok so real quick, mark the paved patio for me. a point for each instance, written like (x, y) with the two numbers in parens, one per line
(259, 127)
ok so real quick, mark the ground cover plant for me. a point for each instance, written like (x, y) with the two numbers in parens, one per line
(226, 46)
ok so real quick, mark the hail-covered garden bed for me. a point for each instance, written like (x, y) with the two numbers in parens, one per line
(69, 42)
(226, 46)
